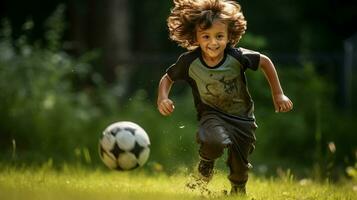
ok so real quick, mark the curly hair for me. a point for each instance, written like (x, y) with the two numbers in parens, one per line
(188, 14)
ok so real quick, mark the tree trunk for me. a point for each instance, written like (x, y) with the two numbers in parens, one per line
(104, 25)
(117, 44)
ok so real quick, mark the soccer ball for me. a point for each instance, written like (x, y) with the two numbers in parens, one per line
(124, 146)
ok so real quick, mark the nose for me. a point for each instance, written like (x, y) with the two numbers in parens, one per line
(213, 41)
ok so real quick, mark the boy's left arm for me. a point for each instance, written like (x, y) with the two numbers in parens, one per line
(281, 102)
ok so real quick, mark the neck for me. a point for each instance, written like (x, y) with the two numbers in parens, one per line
(213, 61)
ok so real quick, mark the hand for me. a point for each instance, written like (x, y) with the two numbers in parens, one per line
(165, 106)
(282, 103)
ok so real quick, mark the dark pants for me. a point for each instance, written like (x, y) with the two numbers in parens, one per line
(217, 132)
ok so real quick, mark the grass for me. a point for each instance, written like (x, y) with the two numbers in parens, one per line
(78, 183)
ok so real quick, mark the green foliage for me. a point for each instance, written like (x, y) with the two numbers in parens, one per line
(284, 133)
(352, 172)
(50, 113)
(55, 27)
(42, 113)
(316, 132)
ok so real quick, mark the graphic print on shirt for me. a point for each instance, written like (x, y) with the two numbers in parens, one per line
(222, 87)
(222, 92)
(229, 87)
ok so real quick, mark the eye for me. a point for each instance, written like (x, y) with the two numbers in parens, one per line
(220, 36)
(205, 37)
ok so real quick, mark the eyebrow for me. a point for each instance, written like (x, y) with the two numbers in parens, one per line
(204, 32)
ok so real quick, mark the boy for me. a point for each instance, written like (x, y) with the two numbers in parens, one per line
(215, 70)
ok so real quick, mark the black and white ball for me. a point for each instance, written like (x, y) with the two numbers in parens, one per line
(124, 146)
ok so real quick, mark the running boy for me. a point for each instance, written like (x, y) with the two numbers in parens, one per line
(215, 70)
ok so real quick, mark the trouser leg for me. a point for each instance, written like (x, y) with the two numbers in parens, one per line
(239, 166)
(213, 139)
(238, 170)
(215, 135)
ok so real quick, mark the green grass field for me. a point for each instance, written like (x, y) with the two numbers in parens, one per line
(78, 183)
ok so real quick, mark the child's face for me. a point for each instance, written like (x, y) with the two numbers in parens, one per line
(213, 40)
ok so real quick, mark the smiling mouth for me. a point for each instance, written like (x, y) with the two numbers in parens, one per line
(213, 49)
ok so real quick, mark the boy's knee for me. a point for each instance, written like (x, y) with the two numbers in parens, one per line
(212, 149)
(213, 140)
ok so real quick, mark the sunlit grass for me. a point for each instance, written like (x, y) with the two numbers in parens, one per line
(77, 183)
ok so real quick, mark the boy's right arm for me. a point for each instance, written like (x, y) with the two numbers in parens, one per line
(164, 104)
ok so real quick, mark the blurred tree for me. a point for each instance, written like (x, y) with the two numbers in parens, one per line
(103, 25)
(308, 26)
(91, 24)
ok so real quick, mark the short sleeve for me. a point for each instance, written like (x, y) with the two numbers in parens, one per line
(179, 70)
(250, 59)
